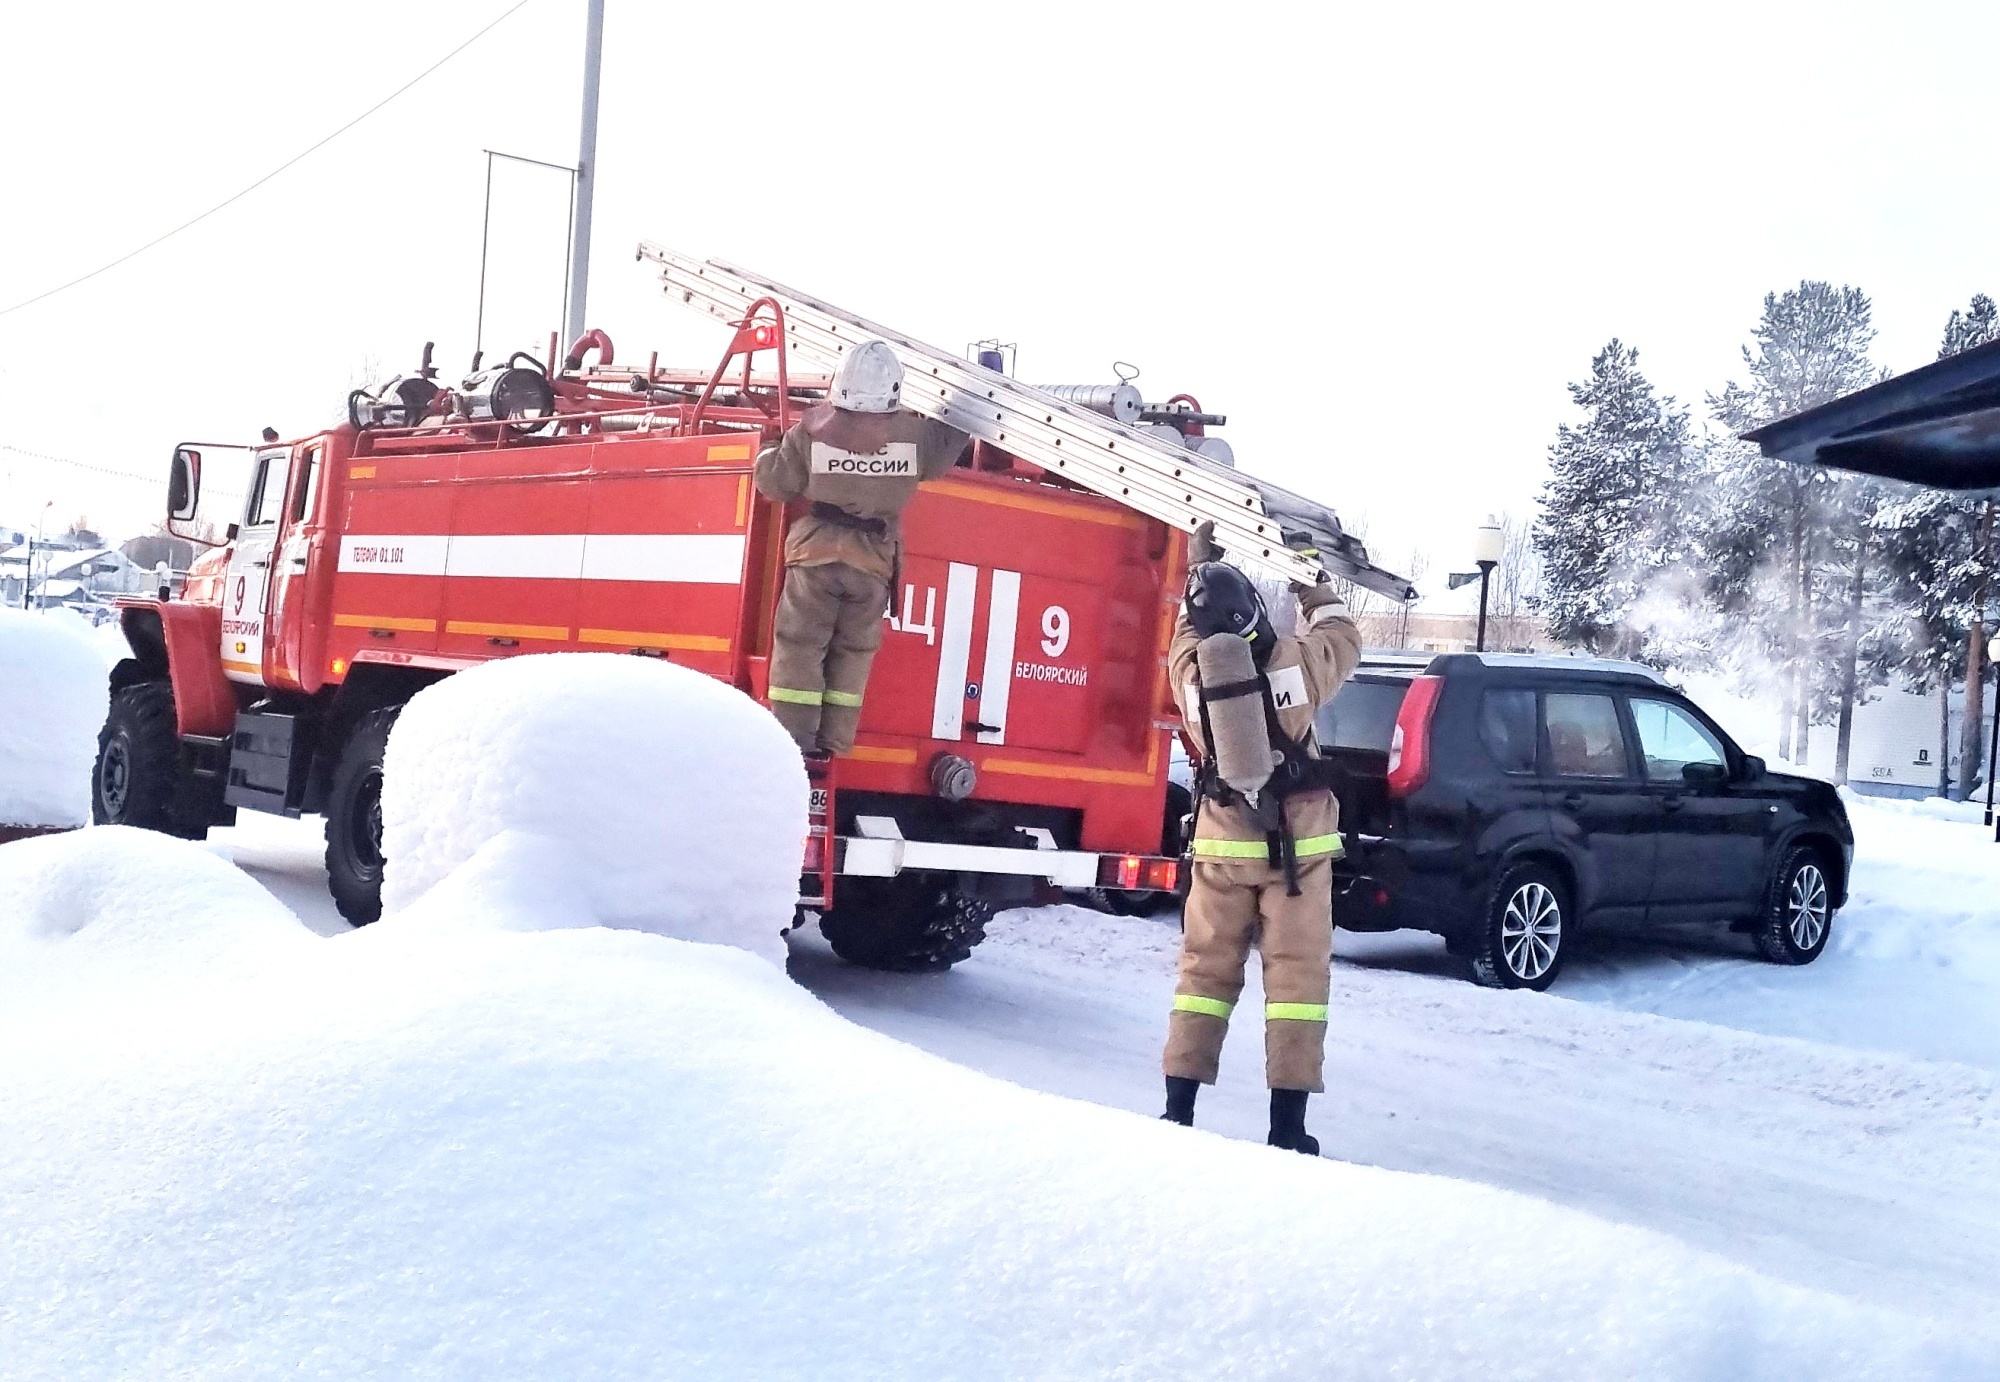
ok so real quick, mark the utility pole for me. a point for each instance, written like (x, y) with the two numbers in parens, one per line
(586, 172)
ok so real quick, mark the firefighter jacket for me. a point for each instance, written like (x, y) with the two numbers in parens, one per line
(870, 491)
(1304, 672)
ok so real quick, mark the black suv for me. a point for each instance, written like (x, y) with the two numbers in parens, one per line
(1507, 802)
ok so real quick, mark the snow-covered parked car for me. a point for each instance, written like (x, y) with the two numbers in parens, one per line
(1507, 802)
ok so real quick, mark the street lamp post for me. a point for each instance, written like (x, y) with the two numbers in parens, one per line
(1487, 543)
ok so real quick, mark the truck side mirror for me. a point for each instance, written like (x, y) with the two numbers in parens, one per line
(184, 485)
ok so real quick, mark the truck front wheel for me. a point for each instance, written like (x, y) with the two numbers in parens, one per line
(354, 820)
(137, 779)
(913, 923)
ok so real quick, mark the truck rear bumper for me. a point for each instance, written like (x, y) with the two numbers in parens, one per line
(864, 856)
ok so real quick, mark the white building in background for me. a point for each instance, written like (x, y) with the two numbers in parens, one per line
(1896, 743)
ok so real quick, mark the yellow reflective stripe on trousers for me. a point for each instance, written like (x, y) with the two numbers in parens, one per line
(1195, 1003)
(1295, 1012)
(1308, 848)
(842, 698)
(791, 697)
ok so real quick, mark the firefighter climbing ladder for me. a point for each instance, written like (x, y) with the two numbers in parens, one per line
(1258, 524)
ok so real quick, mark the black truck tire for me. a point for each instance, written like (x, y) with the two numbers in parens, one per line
(354, 819)
(912, 924)
(1526, 933)
(137, 774)
(1798, 911)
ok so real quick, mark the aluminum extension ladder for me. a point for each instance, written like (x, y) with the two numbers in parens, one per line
(1261, 526)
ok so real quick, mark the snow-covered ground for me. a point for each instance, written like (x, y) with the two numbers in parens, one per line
(460, 1143)
(1835, 1126)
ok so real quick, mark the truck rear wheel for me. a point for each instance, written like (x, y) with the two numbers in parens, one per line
(913, 923)
(137, 780)
(354, 820)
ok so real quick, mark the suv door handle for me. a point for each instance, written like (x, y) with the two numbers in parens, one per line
(1671, 803)
(1572, 801)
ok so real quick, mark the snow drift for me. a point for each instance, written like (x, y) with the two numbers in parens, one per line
(576, 789)
(454, 1151)
(53, 697)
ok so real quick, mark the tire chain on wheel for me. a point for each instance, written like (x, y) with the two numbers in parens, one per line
(905, 926)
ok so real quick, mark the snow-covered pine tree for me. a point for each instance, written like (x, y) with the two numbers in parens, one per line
(1785, 545)
(1611, 509)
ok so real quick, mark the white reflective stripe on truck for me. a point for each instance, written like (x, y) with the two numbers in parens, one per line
(885, 858)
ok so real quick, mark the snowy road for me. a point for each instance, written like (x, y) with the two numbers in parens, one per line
(1861, 1171)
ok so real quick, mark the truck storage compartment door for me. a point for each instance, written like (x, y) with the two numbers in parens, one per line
(515, 559)
(388, 586)
(663, 561)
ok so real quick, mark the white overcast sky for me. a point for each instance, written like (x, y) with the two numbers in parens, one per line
(1380, 238)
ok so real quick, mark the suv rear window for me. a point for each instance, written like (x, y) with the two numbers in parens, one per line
(1362, 715)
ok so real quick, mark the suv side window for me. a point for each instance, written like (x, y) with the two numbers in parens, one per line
(1507, 729)
(1670, 738)
(1585, 736)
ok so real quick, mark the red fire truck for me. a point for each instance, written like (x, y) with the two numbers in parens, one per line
(1017, 720)
(1018, 723)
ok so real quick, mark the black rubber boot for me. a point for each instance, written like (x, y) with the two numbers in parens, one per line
(1288, 1122)
(1180, 1100)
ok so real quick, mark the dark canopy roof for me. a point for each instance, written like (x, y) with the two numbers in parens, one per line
(1939, 425)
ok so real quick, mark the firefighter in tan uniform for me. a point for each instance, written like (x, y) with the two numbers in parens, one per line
(1263, 860)
(857, 460)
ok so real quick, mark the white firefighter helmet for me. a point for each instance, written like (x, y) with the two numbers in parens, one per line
(869, 380)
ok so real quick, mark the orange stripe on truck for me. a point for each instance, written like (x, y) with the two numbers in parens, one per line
(1107, 776)
(640, 638)
(979, 494)
(554, 632)
(384, 621)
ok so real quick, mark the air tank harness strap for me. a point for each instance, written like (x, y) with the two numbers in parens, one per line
(841, 518)
(1296, 772)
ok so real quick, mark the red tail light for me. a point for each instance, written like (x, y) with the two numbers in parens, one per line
(1410, 746)
(1138, 872)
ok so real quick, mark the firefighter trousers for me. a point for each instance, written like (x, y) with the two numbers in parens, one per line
(1233, 904)
(828, 626)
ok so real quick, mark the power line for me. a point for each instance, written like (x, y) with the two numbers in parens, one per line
(161, 239)
(154, 480)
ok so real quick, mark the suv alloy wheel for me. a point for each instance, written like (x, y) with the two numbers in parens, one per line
(1798, 915)
(1525, 933)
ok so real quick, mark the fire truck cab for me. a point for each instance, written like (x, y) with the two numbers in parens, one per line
(1017, 725)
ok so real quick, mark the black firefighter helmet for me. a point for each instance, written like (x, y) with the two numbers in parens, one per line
(1221, 599)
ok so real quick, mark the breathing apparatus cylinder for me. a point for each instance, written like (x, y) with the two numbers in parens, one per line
(1239, 734)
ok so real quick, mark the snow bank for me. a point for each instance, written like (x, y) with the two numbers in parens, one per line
(53, 697)
(572, 789)
(606, 1154)
(117, 901)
